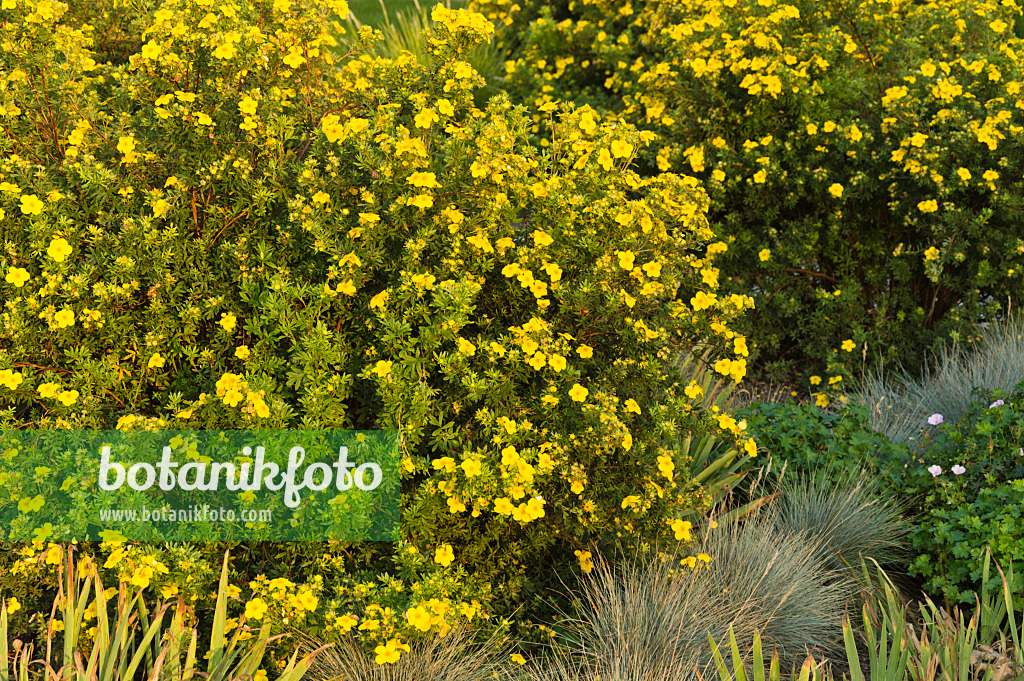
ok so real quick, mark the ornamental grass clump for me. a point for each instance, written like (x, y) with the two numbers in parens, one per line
(844, 520)
(656, 613)
(251, 223)
(457, 656)
(862, 158)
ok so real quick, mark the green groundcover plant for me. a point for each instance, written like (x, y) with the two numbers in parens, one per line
(249, 223)
(862, 158)
(965, 487)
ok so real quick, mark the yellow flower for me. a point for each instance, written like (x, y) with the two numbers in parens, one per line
(964, 174)
(347, 288)
(578, 393)
(11, 379)
(64, 318)
(517, 658)
(764, 254)
(848, 345)
(542, 239)
(383, 368)
(48, 390)
(466, 348)
(666, 465)
(31, 204)
(255, 609)
(242, 352)
(557, 362)
(321, 197)
(627, 442)
(750, 447)
(18, 276)
(931, 254)
(228, 321)
(585, 351)
(445, 107)
(652, 269)
(422, 201)
(836, 189)
(632, 406)
(68, 397)
(586, 564)
(693, 390)
(156, 361)
(998, 26)
(682, 529)
(626, 259)
(538, 361)
(428, 180)
(419, 617)
(760, 176)
(59, 249)
(13, 605)
(425, 118)
(471, 467)
(621, 149)
(126, 145)
(345, 623)
(815, 380)
(307, 600)
(821, 400)
(929, 206)
(444, 555)
(703, 300)
(587, 123)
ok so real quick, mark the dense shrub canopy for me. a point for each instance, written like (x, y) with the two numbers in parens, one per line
(863, 159)
(248, 225)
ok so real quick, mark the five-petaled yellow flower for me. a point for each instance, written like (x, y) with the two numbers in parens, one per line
(621, 149)
(156, 361)
(17, 276)
(64, 318)
(59, 249)
(836, 189)
(848, 345)
(228, 321)
(578, 393)
(31, 204)
(425, 118)
(444, 555)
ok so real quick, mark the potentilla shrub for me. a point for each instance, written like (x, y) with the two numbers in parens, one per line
(863, 160)
(250, 225)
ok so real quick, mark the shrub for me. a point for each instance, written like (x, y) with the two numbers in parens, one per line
(248, 225)
(861, 158)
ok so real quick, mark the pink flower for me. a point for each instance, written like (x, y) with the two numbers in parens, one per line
(936, 470)
(959, 470)
(997, 403)
(935, 419)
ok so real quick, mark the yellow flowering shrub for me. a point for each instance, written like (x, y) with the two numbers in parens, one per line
(388, 256)
(872, 148)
